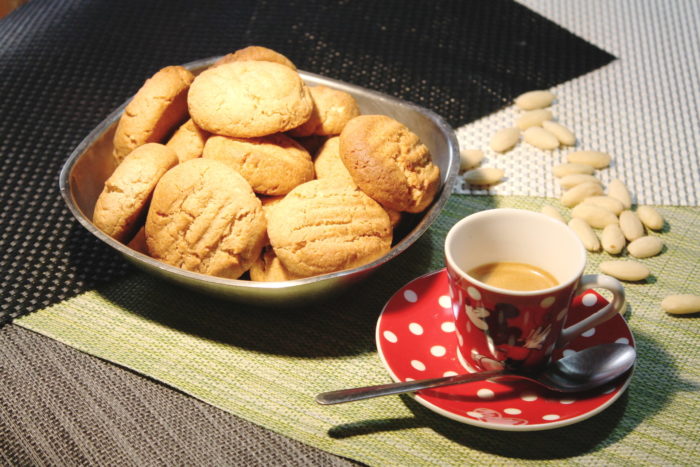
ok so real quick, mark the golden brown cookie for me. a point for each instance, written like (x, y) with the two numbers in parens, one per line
(268, 268)
(332, 110)
(311, 143)
(268, 202)
(156, 109)
(138, 243)
(328, 163)
(204, 217)
(249, 99)
(389, 163)
(188, 141)
(273, 165)
(128, 190)
(255, 53)
(322, 227)
(394, 216)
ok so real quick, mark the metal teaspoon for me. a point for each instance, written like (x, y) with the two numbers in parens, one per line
(584, 370)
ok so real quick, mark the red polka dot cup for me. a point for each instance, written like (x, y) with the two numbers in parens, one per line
(498, 327)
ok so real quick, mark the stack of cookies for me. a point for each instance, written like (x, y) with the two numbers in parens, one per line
(214, 173)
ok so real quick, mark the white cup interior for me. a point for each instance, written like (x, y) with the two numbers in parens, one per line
(516, 235)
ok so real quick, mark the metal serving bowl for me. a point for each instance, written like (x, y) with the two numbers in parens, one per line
(84, 173)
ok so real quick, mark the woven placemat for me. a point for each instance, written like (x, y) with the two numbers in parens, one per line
(66, 65)
(266, 365)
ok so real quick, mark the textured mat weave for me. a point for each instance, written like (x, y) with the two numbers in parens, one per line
(642, 108)
(266, 365)
(65, 65)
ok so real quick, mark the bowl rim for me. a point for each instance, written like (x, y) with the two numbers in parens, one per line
(434, 209)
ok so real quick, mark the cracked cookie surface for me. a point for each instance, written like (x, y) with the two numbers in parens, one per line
(204, 217)
(389, 163)
(247, 99)
(155, 110)
(128, 190)
(322, 227)
(273, 165)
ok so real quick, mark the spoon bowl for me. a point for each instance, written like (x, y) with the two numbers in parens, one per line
(587, 369)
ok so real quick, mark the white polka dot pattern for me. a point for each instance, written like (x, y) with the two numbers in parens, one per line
(416, 329)
(410, 296)
(445, 301)
(390, 336)
(589, 299)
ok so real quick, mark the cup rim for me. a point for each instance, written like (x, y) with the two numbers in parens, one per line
(451, 264)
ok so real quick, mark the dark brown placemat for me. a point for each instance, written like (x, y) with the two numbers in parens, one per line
(59, 406)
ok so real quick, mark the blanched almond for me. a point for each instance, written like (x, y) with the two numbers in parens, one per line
(553, 213)
(611, 204)
(533, 118)
(625, 270)
(563, 134)
(631, 226)
(597, 159)
(618, 190)
(580, 192)
(595, 216)
(469, 158)
(504, 139)
(650, 217)
(541, 138)
(681, 304)
(534, 100)
(645, 247)
(562, 170)
(612, 239)
(585, 233)
(572, 180)
(484, 176)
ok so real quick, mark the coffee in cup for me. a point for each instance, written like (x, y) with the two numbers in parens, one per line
(512, 276)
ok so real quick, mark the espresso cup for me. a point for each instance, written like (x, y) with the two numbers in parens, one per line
(498, 327)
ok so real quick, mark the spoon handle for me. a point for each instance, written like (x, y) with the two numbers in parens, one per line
(367, 392)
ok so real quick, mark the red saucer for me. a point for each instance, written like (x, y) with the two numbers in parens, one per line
(416, 339)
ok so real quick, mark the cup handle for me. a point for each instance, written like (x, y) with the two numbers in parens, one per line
(600, 316)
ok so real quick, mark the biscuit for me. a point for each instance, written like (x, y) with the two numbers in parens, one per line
(128, 190)
(268, 268)
(138, 243)
(311, 143)
(255, 53)
(389, 163)
(322, 227)
(268, 202)
(188, 141)
(156, 109)
(205, 218)
(332, 110)
(273, 165)
(249, 99)
(328, 164)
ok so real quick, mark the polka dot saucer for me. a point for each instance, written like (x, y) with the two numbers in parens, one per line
(416, 339)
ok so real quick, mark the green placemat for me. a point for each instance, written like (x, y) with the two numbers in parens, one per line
(266, 365)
